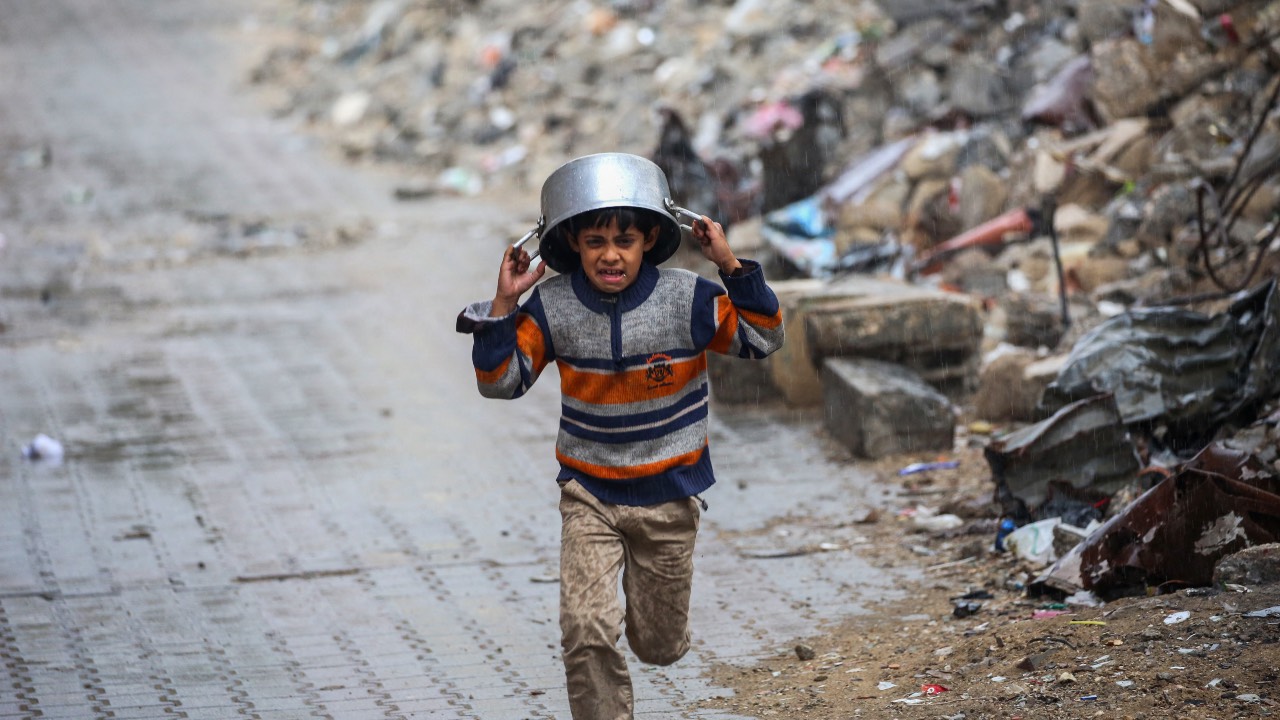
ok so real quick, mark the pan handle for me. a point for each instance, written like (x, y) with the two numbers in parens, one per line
(537, 230)
(682, 213)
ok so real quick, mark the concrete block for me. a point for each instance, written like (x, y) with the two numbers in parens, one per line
(793, 372)
(876, 408)
(936, 334)
(735, 380)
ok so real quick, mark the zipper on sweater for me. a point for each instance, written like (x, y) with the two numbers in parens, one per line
(615, 330)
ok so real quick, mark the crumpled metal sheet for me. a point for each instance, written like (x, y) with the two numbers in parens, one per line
(1219, 502)
(1188, 371)
(1082, 453)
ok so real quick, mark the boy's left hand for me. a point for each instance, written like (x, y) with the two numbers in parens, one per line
(714, 244)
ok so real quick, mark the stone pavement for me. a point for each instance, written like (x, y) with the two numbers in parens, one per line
(282, 496)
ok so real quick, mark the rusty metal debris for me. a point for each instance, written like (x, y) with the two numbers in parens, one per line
(1173, 535)
(1068, 464)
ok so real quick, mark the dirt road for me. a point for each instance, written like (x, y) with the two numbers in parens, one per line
(281, 495)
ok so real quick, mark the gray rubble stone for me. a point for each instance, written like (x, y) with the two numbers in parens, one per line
(876, 409)
(1001, 393)
(1126, 84)
(979, 87)
(1103, 19)
(1257, 565)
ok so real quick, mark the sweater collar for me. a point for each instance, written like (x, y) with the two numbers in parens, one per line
(629, 299)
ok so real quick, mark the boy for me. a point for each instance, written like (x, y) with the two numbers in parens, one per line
(629, 341)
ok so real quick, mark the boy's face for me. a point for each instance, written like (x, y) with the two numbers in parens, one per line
(611, 258)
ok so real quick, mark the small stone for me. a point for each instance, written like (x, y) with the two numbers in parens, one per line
(804, 652)
(1032, 663)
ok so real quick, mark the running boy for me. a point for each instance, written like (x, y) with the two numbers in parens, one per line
(630, 344)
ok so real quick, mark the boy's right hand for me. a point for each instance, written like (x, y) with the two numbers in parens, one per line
(514, 279)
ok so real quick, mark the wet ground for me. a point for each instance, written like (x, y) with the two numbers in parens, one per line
(281, 495)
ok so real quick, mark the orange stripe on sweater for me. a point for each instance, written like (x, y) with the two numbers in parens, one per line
(531, 342)
(760, 320)
(631, 471)
(489, 377)
(726, 325)
(607, 388)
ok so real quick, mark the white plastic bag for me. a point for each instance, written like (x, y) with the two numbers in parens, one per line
(1033, 542)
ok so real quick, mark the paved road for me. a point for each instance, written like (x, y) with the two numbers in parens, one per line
(281, 496)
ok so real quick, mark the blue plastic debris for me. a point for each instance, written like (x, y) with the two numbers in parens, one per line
(1006, 526)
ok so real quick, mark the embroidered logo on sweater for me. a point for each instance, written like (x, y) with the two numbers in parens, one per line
(659, 372)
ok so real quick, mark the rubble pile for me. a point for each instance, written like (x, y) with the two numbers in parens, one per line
(883, 129)
(1071, 210)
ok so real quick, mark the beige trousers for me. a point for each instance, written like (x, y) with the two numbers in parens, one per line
(653, 548)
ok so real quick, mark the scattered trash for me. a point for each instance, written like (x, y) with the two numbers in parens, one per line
(929, 519)
(1033, 542)
(966, 609)
(1088, 698)
(1083, 598)
(1268, 612)
(1046, 614)
(885, 685)
(1007, 526)
(920, 467)
(43, 449)
(801, 234)
(1175, 618)
(1087, 622)
(460, 181)
(933, 689)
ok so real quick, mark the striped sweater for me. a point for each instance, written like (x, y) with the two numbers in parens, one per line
(633, 371)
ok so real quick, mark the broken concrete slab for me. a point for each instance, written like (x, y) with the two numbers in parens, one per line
(935, 334)
(1069, 462)
(877, 408)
